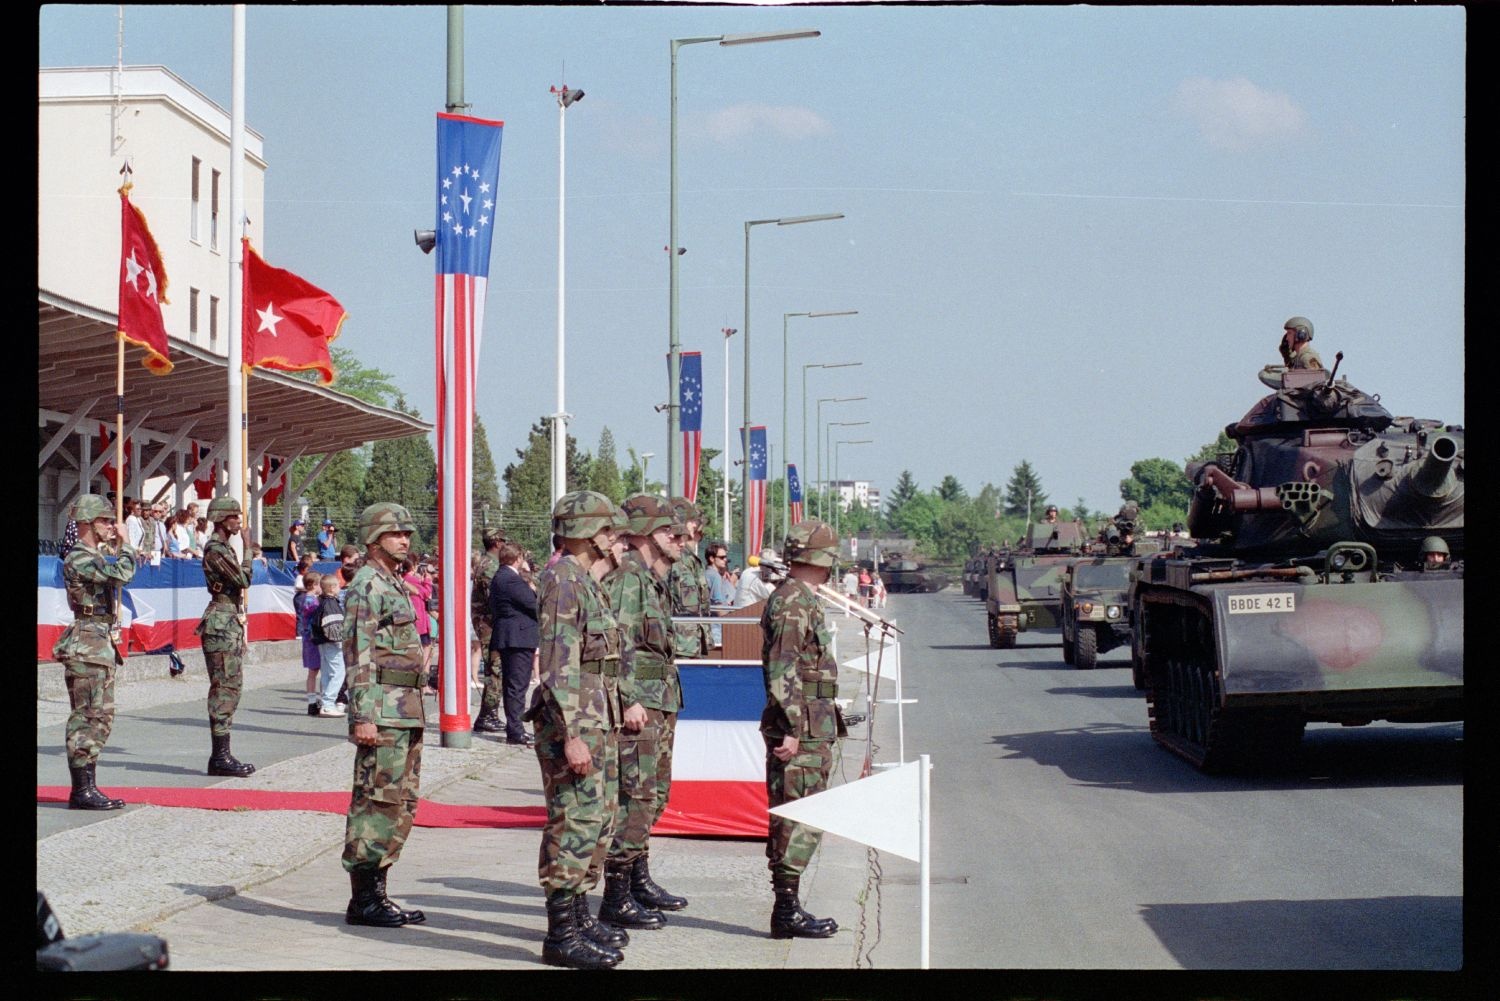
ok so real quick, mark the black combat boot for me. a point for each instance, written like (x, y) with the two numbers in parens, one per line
(619, 907)
(565, 945)
(408, 917)
(789, 920)
(368, 904)
(488, 720)
(86, 795)
(603, 935)
(644, 888)
(224, 763)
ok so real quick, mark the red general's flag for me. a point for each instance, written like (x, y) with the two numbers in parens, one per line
(107, 447)
(143, 288)
(287, 322)
(271, 472)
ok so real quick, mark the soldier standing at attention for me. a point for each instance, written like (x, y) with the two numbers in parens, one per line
(688, 587)
(575, 716)
(651, 696)
(87, 647)
(223, 630)
(488, 720)
(383, 665)
(800, 722)
(1296, 344)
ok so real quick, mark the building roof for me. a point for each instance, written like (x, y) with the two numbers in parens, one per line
(76, 356)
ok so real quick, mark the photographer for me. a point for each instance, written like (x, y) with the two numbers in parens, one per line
(759, 579)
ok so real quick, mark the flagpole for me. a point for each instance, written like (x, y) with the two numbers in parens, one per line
(925, 779)
(235, 461)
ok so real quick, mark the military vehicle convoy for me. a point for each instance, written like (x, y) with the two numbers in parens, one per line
(1024, 587)
(906, 576)
(1306, 598)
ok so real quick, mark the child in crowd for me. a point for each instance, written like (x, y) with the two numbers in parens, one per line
(307, 607)
(328, 631)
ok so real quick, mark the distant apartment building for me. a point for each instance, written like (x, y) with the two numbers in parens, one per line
(850, 491)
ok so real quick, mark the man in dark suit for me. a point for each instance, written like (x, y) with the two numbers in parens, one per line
(513, 638)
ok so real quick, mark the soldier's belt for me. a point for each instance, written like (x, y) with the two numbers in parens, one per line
(650, 672)
(93, 616)
(820, 689)
(392, 676)
(221, 593)
(606, 668)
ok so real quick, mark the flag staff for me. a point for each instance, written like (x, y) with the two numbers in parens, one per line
(235, 463)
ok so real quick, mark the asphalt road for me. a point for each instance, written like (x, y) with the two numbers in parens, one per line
(1063, 838)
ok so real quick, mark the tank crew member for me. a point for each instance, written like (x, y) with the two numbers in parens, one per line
(87, 648)
(801, 722)
(1296, 344)
(1051, 516)
(1435, 553)
(223, 630)
(383, 658)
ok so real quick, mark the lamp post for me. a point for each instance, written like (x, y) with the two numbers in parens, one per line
(674, 470)
(841, 364)
(839, 504)
(828, 448)
(645, 458)
(566, 98)
(786, 495)
(786, 221)
(728, 332)
(820, 443)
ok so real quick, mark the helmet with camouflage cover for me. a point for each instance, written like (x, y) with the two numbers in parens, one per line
(812, 542)
(648, 512)
(223, 507)
(1434, 544)
(686, 510)
(378, 519)
(1302, 325)
(90, 506)
(582, 514)
(492, 537)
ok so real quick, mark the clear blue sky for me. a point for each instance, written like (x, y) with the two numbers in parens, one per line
(1072, 233)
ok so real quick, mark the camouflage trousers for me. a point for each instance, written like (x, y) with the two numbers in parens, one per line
(581, 809)
(489, 673)
(790, 845)
(645, 781)
(226, 678)
(91, 691)
(384, 803)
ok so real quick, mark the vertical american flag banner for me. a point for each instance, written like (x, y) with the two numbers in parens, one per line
(794, 493)
(756, 513)
(468, 176)
(690, 391)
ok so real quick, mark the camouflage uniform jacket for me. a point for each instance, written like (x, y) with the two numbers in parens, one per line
(382, 651)
(1304, 357)
(648, 669)
(688, 586)
(579, 646)
(91, 579)
(797, 658)
(479, 597)
(222, 628)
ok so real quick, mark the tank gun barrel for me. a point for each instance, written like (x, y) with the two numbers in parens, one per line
(1434, 476)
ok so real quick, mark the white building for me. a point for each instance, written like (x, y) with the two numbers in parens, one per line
(849, 491)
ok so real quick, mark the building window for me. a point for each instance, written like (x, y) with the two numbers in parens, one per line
(213, 322)
(197, 179)
(213, 213)
(193, 315)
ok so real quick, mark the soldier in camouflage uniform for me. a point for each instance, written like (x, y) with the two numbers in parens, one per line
(87, 647)
(575, 715)
(651, 697)
(383, 662)
(223, 630)
(488, 720)
(801, 722)
(1296, 344)
(688, 587)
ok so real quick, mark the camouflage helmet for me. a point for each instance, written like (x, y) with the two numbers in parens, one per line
(378, 519)
(493, 537)
(582, 514)
(1302, 325)
(812, 542)
(222, 507)
(686, 510)
(648, 512)
(1434, 544)
(90, 506)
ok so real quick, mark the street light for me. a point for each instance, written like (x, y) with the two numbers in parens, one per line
(828, 447)
(838, 505)
(674, 470)
(786, 221)
(728, 332)
(645, 458)
(786, 494)
(820, 446)
(841, 364)
(566, 98)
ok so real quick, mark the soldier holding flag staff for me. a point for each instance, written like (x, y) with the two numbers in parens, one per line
(223, 630)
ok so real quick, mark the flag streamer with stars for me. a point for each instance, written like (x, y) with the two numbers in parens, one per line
(690, 391)
(756, 456)
(794, 492)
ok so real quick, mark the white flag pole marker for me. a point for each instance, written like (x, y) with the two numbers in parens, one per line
(926, 875)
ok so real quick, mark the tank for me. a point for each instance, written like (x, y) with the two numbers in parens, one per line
(903, 575)
(1024, 589)
(1305, 598)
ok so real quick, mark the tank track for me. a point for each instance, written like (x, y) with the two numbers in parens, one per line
(1002, 636)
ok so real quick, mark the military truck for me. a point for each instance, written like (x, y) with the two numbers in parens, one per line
(1024, 589)
(1094, 616)
(1315, 592)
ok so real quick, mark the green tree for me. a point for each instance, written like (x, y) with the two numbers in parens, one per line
(1156, 481)
(487, 502)
(404, 471)
(1024, 496)
(902, 494)
(528, 481)
(1217, 449)
(711, 496)
(335, 494)
(353, 378)
(918, 520)
(951, 490)
(604, 471)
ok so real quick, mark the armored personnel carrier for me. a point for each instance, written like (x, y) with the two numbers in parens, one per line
(1307, 598)
(1024, 589)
